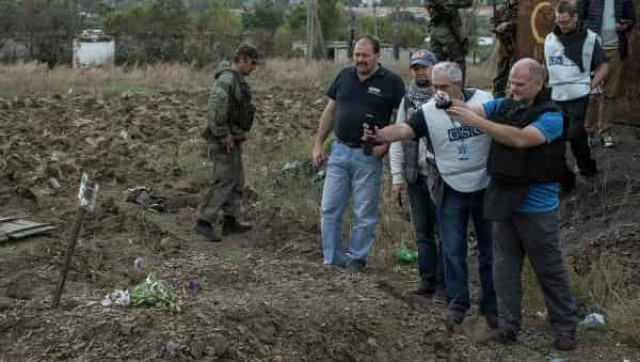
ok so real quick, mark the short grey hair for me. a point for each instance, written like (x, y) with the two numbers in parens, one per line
(450, 70)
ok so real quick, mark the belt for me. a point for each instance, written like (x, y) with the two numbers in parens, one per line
(351, 144)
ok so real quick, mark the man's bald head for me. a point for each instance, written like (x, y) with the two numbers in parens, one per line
(532, 68)
(527, 79)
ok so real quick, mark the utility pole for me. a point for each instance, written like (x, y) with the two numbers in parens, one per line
(375, 21)
(310, 35)
(351, 35)
(319, 26)
(396, 32)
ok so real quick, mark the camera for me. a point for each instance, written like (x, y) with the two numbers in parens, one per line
(446, 103)
(368, 144)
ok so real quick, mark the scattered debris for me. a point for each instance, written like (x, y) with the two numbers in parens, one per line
(593, 320)
(118, 297)
(293, 165)
(319, 176)
(12, 228)
(406, 256)
(54, 183)
(146, 197)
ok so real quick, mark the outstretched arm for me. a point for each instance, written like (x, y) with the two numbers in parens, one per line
(397, 132)
(476, 108)
(508, 135)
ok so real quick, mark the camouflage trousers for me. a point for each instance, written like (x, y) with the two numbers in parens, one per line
(507, 58)
(225, 193)
(446, 47)
(602, 106)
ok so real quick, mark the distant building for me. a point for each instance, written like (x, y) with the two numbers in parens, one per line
(93, 49)
(370, 3)
(339, 52)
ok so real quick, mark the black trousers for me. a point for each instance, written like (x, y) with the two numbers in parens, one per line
(574, 112)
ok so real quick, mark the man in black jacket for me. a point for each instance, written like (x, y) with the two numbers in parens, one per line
(526, 162)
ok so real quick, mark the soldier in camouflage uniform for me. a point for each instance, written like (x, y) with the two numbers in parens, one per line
(504, 26)
(229, 119)
(445, 30)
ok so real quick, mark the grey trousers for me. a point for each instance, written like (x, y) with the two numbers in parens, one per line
(536, 235)
(228, 180)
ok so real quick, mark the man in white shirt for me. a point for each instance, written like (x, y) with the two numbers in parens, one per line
(460, 154)
(572, 53)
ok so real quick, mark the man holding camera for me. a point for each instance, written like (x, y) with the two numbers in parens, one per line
(526, 163)
(366, 90)
(460, 154)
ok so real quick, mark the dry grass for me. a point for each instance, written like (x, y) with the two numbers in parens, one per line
(30, 78)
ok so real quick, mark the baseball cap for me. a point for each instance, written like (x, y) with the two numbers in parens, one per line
(422, 57)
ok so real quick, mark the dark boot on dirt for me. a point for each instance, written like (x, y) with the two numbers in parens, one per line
(565, 341)
(356, 265)
(426, 289)
(205, 230)
(502, 335)
(454, 318)
(231, 225)
(492, 321)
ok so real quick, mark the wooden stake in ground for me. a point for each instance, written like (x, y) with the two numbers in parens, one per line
(87, 197)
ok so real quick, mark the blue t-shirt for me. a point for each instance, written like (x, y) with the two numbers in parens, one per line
(542, 196)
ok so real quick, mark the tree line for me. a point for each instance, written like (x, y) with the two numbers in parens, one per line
(48, 26)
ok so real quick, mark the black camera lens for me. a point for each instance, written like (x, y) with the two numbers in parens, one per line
(445, 104)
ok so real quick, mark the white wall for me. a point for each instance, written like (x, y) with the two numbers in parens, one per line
(88, 54)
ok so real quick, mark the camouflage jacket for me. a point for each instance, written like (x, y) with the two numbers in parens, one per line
(229, 111)
(506, 14)
(444, 14)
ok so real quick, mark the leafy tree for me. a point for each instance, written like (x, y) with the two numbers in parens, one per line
(160, 17)
(331, 18)
(9, 16)
(219, 19)
(411, 32)
(296, 18)
(264, 16)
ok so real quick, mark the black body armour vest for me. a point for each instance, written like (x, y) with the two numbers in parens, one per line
(544, 163)
(513, 169)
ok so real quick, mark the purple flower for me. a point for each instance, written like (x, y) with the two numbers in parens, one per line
(139, 263)
(193, 284)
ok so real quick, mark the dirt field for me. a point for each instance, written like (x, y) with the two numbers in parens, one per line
(263, 296)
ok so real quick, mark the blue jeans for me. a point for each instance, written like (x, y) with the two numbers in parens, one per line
(453, 218)
(350, 173)
(423, 217)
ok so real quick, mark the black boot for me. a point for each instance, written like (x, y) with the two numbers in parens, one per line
(204, 229)
(231, 225)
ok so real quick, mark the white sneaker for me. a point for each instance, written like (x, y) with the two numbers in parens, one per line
(608, 142)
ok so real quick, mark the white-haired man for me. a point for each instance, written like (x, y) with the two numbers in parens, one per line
(460, 154)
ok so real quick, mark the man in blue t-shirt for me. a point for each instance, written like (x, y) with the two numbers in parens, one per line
(526, 162)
